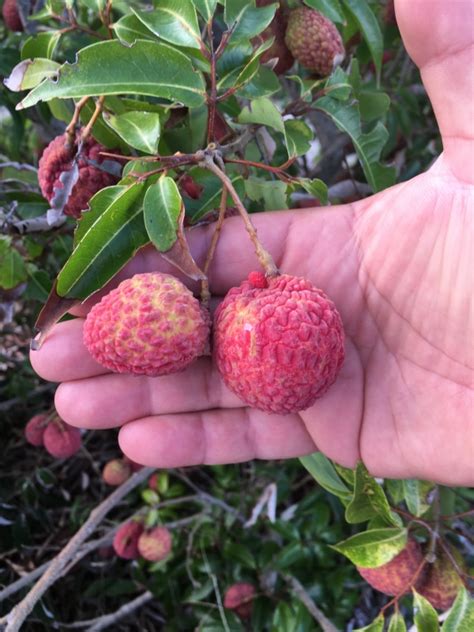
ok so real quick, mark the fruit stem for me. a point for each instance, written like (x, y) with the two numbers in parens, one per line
(263, 255)
(98, 109)
(205, 293)
(71, 128)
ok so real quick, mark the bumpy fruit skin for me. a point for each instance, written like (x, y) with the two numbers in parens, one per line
(11, 16)
(150, 325)
(395, 576)
(314, 41)
(441, 583)
(58, 157)
(279, 342)
(239, 598)
(116, 472)
(34, 430)
(279, 49)
(155, 544)
(61, 440)
(125, 541)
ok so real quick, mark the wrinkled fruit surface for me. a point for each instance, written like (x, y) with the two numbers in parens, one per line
(279, 343)
(61, 440)
(11, 17)
(150, 325)
(395, 576)
(116, 472)
(239, 598)
(314, 41)
(155, 545)
(34, 430)
(58, 157)
(279, 49)
(441, 583)
(125, 541)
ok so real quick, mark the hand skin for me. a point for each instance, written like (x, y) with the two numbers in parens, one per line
(399, 267)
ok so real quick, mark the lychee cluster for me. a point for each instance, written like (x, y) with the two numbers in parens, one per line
(55, 435)
(132, 540)
(59, 158)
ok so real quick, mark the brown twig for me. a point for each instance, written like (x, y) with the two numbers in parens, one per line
(205, 294)
(98, 109)
(71, 128)
(316, 613)
(278, 171)
(107, 620)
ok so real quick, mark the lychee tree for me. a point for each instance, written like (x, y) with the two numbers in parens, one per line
(163, 117)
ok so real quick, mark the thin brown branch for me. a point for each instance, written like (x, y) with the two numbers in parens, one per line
(98, 109)
(126, 610)
(205, 294)
(313, 609)
(71, 128)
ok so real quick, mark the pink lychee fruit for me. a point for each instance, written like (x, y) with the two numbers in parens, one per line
(153, 481)
(314, 41)
(397, 576)
(238, 598)
(116, 472)
(11, 16)
(125, 541)
(155, 544)
(442, 582)
(61, 440)
(59, 157)
(278, 342)
(278, 50)
(34, 429)
(150, 325)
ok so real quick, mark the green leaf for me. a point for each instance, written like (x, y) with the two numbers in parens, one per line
(13, 270)
(369, 26)
(461, 615)
(141, 130)
(163, 205)
(240, 554)
(29, 73)
(322, 470)
(206, 8)
(107, 245)
(129, 29)
(148, 68)
(415, 494)
(376, 626)
(246, 20)
(263, 112)
(41, 45)
(397, 623)
(369, 500)
(175, 21)
(211, 195)
(315, 187)
(330, 8)
(373, 104)
(373, 548)
(298, 137)
(426, 618)
(272, 192)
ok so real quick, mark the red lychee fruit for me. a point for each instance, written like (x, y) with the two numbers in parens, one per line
(11, 16)
(61, 440)
(278, 342)
(314, 41)
(34, 429)
(125, 541)
(116, 472)
(59, 157)
(155, 544)
(396, 577)
(441, 583)
(278, 50)
(150, 325)
(239, 598)
(190, 187)
(153, 481)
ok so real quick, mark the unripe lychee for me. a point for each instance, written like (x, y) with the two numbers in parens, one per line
(314, 41)
(239, 598)
(397, 576)
(116, 472)
(442, 582)
(59, 157)
(125, 541)
(61, 440)
(278, 50)
(278, 342)
(155, 544)
(34, 429)
(11, 16)
(150, 325)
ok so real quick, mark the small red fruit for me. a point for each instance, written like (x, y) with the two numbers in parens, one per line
(190, 187)
(11, 16)
(34, 429)
(155, 544)
(442, 582)
(125, 541)
(61, 440)
(239, 598)
(116, 472)
(276, 30)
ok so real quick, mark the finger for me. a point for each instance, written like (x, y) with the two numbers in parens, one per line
(214, 437)
(111, 400)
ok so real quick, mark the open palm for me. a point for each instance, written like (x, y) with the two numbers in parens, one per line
(397, 265)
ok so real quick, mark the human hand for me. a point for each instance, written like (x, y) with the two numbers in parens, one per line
(397, 266)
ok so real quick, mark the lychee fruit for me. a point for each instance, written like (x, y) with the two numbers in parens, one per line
(314, 41)
(153, 481)
(34, 429)
(59, 157)
(155, 544)
(125, 541)
(239, 598)
(278, 342)
(442, 582)
(61, 440)
(190, 187)
(397, 576)
(116, 472)
(278, 50)
(151, 324)
(11, 16)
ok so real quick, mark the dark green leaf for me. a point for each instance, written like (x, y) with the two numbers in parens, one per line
(376, 626)
(369, 26)
(461, 615)
(322, 470)
(370, 549)
(162, 209)
(140, 130)
(397, 623)
(175, 21)
(416, 493)
(330, 8)
(426, 618)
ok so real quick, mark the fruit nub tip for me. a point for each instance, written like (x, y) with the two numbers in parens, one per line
(257, 280)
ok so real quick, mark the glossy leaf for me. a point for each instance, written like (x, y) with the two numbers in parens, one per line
(330, 8)
(376, 626)
(29, 73)
(141, 130)
(245, 20)
(206, 8)
(174, 21)
(426, 618)
(264, 112)
(162, 209)
(461, 615)
(129, 29)
(415, 493)
(41, 45)
(397, 623)
(369, 26)
(373, 548)
(322, 470)
(298, 137)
